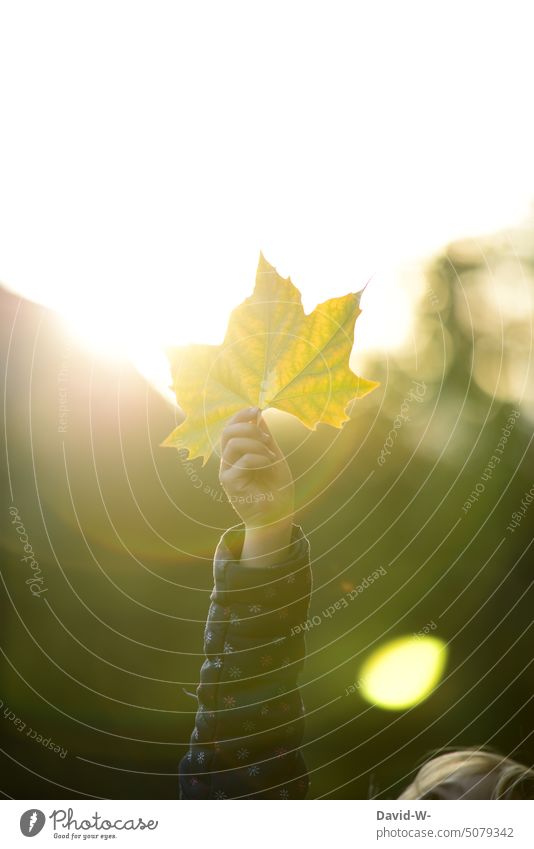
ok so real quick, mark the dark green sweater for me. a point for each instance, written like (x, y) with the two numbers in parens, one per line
(250, 717)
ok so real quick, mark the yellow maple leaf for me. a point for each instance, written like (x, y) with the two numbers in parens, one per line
(273, 355)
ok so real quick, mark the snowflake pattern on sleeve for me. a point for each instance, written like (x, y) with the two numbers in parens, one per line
(250, 718)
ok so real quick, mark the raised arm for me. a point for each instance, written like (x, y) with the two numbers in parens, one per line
(250, 717)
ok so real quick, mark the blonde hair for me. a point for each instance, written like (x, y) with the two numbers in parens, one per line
(509, 775)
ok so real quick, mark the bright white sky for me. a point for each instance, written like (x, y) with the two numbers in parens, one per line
(149, 150)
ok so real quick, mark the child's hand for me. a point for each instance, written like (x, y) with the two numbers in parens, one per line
(254, 472)
(259, 485)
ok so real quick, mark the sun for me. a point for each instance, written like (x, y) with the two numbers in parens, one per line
(137, 326)
(139, 211)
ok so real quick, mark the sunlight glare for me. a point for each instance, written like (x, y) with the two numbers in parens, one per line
(137, 194)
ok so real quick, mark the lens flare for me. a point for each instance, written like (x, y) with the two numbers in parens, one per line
(403, 672)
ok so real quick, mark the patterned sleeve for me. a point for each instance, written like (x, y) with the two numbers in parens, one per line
(250, 717)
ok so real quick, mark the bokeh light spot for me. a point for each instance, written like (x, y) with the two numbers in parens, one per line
(403, 672)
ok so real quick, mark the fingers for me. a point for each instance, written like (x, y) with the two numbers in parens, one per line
(244, 430)
(247, 415)
(247, 432)
(236, 448)
(248, 462)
